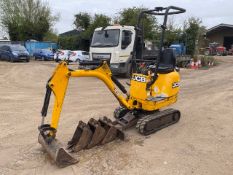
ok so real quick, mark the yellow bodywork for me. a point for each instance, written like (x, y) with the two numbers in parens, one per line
(162, 93)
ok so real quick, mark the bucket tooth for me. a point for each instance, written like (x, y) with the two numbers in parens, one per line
(81, 137)
(55, 150)
(98, 133)
(112, 131)
(109, 128)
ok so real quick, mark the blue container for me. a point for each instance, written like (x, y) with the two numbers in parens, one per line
(31, 46)
(180, 49)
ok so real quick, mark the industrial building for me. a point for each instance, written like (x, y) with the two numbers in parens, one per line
(222, 34)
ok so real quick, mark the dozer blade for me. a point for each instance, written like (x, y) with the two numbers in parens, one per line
(81, 137)
(57, 152)
(94, 133)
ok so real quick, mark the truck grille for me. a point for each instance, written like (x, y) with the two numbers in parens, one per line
(101, 56)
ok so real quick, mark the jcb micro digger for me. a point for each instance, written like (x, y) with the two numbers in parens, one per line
(152, 87)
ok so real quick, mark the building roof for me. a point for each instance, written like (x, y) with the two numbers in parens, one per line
(219, 27)
(71, 32)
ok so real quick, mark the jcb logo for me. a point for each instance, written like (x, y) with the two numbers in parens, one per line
(139, 78)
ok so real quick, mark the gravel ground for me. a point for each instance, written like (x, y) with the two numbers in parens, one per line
(201, 143)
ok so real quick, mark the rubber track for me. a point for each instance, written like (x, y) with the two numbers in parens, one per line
(141, 124)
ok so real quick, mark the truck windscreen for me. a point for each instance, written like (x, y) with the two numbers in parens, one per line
(105, 38)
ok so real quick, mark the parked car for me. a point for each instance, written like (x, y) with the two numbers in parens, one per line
(62, 55)
(14, 52)
(79, 55)
(43, 54)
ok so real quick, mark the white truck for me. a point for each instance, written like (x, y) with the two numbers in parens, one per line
(114, 44)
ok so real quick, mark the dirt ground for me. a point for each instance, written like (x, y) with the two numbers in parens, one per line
(201, 143)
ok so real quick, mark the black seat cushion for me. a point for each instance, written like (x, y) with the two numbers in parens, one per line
(167, 62)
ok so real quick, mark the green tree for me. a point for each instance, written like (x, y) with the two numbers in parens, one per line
(82, 41)
(173, 33)
(73, 43)
(173, 36)
(99, 20)
(202, 41)
(50, 36)
(129, 16)
(68, 42)
(82, 20)
(26, 19)
(192, 33)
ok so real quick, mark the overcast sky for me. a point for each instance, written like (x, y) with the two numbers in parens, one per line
(212, 12)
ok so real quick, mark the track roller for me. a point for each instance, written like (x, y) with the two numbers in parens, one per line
(119, 112)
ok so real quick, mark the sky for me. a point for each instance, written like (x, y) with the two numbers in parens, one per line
(212, 12)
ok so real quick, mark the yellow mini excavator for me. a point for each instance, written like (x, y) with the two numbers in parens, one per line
(154, 85)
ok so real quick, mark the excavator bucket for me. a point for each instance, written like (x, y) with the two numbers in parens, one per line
(94, 133)
(81, 137)
(98, 133)
(55, 150)
(112, 131)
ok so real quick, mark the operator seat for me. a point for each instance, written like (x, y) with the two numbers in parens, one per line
(167, 61)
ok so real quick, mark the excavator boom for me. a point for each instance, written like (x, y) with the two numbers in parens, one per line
(59, 82)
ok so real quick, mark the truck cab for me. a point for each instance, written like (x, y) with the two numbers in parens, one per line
(114, 44)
